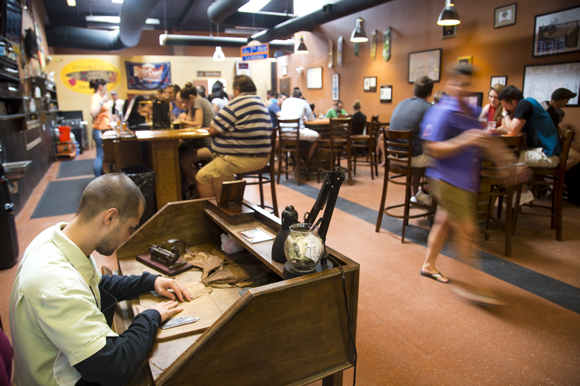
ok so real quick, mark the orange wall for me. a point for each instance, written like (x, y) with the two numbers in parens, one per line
(502, 51)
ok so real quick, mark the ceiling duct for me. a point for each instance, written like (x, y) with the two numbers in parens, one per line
(134, 13)
(225, 13)
(308, 22)
(190, 40)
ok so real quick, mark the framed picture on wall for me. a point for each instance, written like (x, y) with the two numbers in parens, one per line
(466, 60)
(370, 84)
(557, 32)
(314, 78)
(335, 87)
(284, 70)
(505, 16)
(448, 31)
(541, 80)
(424, 63)
(474, 99)
(386, 94)
(499, 79)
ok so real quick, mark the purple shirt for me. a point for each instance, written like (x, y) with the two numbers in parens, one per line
(445, 121)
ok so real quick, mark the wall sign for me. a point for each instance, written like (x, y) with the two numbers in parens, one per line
(77, 74)
(335, 87)
(386, 94)
(242, 68)
(148, 76)
(261, 51)
(212, 74)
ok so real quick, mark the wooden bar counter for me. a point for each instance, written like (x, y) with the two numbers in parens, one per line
(289, 332)
(163, 157)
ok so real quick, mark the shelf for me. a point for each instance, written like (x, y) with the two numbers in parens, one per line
(8, 62)
(12, 116)
(8, 77)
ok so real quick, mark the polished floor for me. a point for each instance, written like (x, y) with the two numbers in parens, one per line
(413, 330)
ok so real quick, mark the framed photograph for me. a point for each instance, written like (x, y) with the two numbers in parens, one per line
(474, 99)
(499, 79)
(386, 94)
(335, 87)
(425, 63)
(370, 84)
(505, 16)
(284, 70)
(314, 78)
(448, 31)
(467, 60)
(557, 32)
(541, 80)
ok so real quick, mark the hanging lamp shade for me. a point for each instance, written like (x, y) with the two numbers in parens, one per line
(218, 55)
(302, 47)
(449, 15)
(358, 34)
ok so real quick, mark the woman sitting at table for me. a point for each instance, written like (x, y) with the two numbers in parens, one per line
(218, 96)
(359, 119)
(194, 150)
(493, 111)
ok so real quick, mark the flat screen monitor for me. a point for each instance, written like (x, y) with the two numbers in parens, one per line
(13, 21)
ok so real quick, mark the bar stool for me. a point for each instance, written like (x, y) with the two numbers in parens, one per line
(552, 177)
(290, 147)
(259, 174)
(398, 161)
(335, 146)
(369, 143)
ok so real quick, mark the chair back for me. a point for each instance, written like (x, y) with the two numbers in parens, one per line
(340, 128)
(568, 137)
(515, 143)
(374, 129)
(398, 149)
(289, 129)
(344, 116)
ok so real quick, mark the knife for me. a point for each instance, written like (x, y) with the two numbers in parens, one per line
(179, 321)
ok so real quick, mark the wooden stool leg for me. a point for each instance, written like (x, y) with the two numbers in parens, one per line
(349, 163)
(279, 161)
(383, 199)
(558, 192)
(508, 221)
(407, 205)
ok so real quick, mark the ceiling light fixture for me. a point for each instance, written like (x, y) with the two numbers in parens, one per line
(115, 20)
(253, 6)
(152, 21)
(218, 55)
(117, 1)
(449, 15)
(71, 3)
(302, 47)
(358, 33)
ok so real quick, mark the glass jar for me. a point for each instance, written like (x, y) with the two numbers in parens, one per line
(303, 248)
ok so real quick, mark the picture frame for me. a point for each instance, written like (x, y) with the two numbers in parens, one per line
(335, 87)
(424, 63)
(554, 32)
(448, 31)
(501, 79)
(314, 78)
(540, 80)
(505, 15)
(468, 60)
(386, 93)
(370, 84)
(474, 99)
(284, 70)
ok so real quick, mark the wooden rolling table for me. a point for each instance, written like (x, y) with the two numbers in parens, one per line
(290, 332)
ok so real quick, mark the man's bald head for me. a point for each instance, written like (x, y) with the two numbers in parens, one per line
(110, 191)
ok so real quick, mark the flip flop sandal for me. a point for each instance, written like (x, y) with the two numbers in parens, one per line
(435, 276)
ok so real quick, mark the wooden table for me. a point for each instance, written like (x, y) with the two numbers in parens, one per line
(322, 126)
(290, 332)
(164, 158)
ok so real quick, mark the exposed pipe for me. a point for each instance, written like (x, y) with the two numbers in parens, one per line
(308, 22)
(134, 13)
(190, 40)
(220, 10)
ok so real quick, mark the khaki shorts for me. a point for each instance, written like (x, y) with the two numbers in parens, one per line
(536, 158)
(228, 165)
(459, 204)
(421, 161)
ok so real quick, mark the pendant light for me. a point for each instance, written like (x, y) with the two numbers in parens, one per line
(358, 34)
(218, 55)
(302, 47)
(449, 15)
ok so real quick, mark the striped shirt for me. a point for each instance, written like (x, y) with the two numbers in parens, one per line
(243, 127)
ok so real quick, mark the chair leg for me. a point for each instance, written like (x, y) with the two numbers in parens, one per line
(261, 186)
(516, 209)
(508, 221)
(273, 190)
(558, 204)
(318, 165)
(349, 163)
(407, 205)
(279, 162)
(383, 199)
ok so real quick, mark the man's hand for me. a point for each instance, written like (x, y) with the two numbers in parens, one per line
(165, 309)
(163, 285)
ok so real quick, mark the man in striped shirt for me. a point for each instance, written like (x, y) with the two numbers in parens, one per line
(241, 134)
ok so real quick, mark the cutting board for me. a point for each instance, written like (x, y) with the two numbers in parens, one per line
(201, 306)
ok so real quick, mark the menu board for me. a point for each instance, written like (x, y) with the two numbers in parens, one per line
(540, 81)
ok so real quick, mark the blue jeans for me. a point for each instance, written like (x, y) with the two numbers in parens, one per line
(98, 164)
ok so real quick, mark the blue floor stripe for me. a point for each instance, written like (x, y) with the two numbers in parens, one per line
(562, 294)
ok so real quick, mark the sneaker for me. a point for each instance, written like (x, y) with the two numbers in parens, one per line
(485, 300)
(526, 197)
(423, 198)
(413, 200)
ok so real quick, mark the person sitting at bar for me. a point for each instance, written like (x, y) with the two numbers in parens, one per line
(275, 108)
(438, 95)
(297, 108)
(61, 307)
(493, 111)
(194, 150)
(558, 100)
(170, 92)
(241, 134)
(359, 119)
(218, 96)
(200, 90)
(336, 110)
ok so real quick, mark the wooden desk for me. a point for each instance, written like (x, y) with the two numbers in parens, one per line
(164, 158)
(288, 332)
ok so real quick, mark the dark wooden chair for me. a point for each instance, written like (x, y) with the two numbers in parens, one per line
(290, 147)
(398, 162)
(554, 178)
(366, 142)
(270, 170)
(336, 146)
(492, 189)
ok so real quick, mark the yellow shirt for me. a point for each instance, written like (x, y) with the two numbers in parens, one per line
(55, 317)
